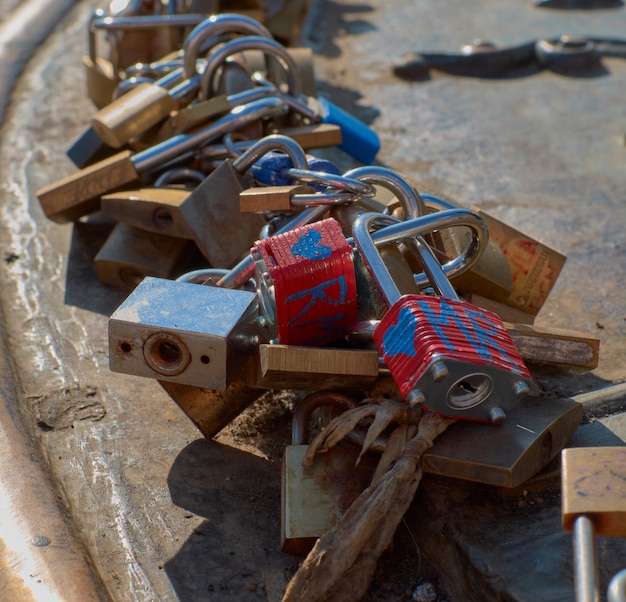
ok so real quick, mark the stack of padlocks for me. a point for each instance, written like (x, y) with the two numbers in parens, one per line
(313, 279)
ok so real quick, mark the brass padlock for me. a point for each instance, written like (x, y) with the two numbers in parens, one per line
(148, 104)
(79, 194)
(314, 497)
(151, 209)
(535, 432)
(101, 76)
(534, 266)
(593, 495)
(298, 367)
(210, 409)
(130, 254)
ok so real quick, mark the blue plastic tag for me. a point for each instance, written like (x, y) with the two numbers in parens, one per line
(267, 171)
(359, 140)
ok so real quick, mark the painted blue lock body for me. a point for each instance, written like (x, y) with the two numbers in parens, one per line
(358, 139)
(268, 170)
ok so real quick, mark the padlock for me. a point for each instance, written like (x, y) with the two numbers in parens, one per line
(306, 284)
(593, 502)
(534, 266)
(100, 75)
(130, 254)
(297, 367)
(313, 498)
(557, 347)
(245, 269)
(184, 333)
(224, 234)
(454, 358)
(154, 209)
(490, 276)
(535, 432)
(148, 104)
(139, 37)
(79, 194)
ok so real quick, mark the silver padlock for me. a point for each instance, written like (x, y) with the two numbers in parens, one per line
(184, 333)
(446, 354)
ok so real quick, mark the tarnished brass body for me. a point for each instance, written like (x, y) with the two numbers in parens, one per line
(130, 254)
(294, 367)
(270, 198)
(535, 430)
(594, 485)
(133, 113)
(78, 194)
(152, 209)
(557, 347)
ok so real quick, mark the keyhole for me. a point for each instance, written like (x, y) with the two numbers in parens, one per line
(469, 391)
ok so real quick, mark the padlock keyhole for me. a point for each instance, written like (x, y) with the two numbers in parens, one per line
(168, 353)
(469, 391)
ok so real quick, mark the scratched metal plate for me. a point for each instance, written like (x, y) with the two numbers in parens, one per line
(165, 515)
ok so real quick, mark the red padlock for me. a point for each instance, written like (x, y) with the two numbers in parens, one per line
(306, 284)
(452, 356)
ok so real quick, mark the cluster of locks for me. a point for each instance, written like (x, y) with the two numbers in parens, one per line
(312, 279)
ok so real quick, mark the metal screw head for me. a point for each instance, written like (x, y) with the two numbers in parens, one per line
(497, 415)
(416, 398)
(439, 371)
(521, 389)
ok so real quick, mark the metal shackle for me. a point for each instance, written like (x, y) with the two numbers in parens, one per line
(342, 183)
(378, 270)
(414, 205)
(273, 142)
(215, 25)
(177, 145)
(180, 175)
(304, 409)
(440, 220)
(267, 46)
(410, 200)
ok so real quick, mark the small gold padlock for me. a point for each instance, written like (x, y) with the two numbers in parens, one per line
(313, 498)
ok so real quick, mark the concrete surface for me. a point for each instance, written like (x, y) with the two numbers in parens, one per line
(161, 514)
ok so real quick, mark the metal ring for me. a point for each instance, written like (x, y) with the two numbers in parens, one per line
(332, 180)
(567, 52)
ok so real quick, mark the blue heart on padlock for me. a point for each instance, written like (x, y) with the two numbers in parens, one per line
(308, 247)
(399, 337)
